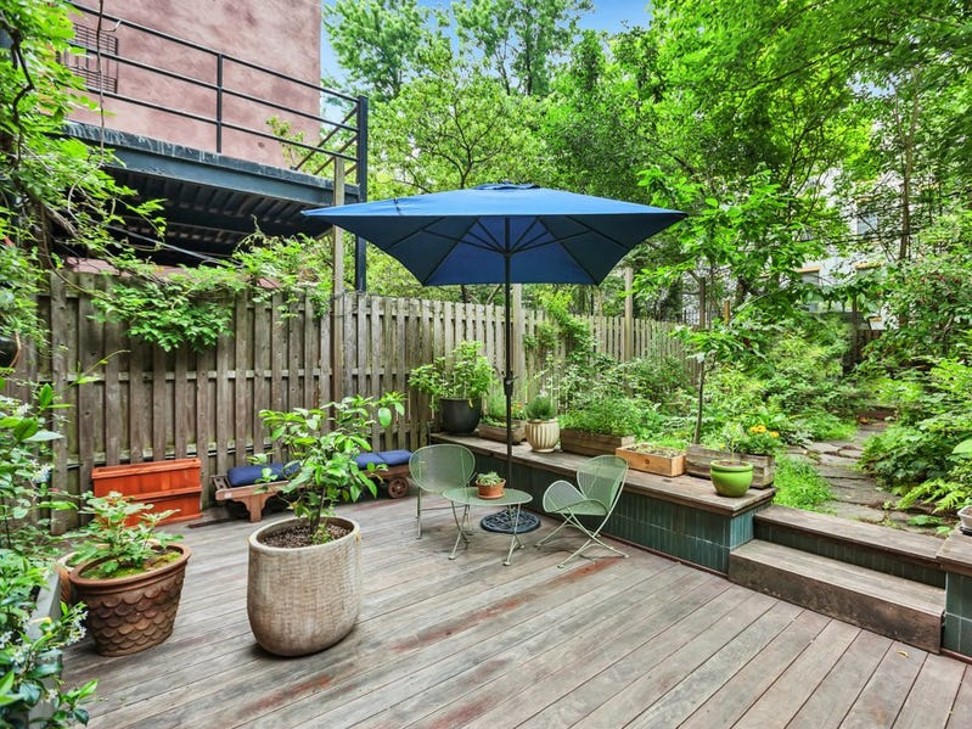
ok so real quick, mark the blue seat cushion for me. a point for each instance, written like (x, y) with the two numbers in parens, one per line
(365, 458)
(395, 458)
(248, 475)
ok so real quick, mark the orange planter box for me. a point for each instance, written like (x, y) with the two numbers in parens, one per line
(166, 484)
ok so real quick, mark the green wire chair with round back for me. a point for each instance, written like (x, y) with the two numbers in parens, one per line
(438, 468)
(598, 489)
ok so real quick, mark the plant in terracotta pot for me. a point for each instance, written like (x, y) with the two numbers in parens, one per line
(128, 574)
(542, 428)
(304, 589)
(490, 485)
(456, 385)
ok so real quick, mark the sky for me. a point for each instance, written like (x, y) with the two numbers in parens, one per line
(608, 15)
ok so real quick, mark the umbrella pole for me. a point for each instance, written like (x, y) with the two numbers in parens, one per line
(508, 378)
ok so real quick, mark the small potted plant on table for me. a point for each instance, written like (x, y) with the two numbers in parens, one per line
(456, 385)
(304, 589)
(490, 485)
(128, 574)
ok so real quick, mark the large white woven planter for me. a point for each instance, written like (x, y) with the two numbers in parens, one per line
(303, 600)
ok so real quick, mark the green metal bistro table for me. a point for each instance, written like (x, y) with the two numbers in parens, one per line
(512, 499)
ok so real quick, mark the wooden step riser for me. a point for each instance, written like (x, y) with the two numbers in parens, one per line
(915, 627)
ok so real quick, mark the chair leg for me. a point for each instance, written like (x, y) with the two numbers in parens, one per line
(590, 542)
(418, 514)
(552, 534)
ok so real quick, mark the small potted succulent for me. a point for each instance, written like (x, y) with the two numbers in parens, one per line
(542, 430)
(456, 385)
(128, 574)
(490, 485)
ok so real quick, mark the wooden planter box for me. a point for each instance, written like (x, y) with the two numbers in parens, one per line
(166, 484)
(592, 444)
(653, 462)
(498, 433)
(697, 460)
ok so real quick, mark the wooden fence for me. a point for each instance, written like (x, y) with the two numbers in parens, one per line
(132, 402)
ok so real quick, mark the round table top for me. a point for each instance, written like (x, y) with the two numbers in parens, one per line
(470, 495)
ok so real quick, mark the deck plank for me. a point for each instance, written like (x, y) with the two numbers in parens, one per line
(442, 644)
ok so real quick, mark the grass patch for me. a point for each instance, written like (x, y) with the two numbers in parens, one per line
(799, 485)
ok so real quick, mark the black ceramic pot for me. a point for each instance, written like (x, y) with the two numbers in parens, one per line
(458, 416)
(9, 350)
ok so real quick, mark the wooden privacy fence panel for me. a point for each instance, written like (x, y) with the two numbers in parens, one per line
(129, 401)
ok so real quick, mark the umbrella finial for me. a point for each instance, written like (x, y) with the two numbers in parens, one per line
(507, 185)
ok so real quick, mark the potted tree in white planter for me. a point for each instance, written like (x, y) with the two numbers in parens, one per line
(304, 585)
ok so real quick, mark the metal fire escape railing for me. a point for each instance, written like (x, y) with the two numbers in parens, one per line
(343, 139)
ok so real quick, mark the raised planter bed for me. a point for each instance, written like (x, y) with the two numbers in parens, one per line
(166, 484)
(498, 433)
(697, 460)
(592, 444)
(652, 459)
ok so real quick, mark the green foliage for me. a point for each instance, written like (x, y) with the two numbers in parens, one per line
(121, 537)
(324, 444)
(464, 374)
(490, 478)
(915, 455)
(541, 407)
(607, 415)
(798, 484)
(494, 410)
(31, 649)
(755, 439)
(25, 491)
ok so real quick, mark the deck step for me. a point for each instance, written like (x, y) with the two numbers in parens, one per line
(879, 548)
(892, 606)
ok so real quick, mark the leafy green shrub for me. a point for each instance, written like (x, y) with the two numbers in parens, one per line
(608, 416)
(465, 374)
(820, 425)
(542, 407)
(799, 485)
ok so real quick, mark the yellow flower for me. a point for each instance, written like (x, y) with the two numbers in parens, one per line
(757, 429)
(774, 434)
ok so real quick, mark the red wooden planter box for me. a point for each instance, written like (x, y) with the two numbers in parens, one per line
(166, 484)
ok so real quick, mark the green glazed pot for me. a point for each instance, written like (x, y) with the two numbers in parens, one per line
(730, 477)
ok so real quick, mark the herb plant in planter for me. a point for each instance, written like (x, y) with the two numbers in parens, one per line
(129, 575)
(754, 445)
(542, 428)
(600, 426)
(456, 385)
(651, 458)
(304, 588)
(492, 426)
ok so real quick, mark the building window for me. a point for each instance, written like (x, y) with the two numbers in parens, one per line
(99, 73)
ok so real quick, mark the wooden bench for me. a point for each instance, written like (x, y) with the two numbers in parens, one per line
(254, 496)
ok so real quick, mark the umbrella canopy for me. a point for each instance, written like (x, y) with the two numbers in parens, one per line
(467, 236)
(506, 234)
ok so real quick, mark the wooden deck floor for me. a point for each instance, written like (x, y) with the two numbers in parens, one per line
(641, 642)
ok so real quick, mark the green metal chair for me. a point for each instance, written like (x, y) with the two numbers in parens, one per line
(437, 468)
(599, 483)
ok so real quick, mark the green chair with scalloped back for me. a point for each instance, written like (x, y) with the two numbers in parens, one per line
(598, 489)
(438, 468)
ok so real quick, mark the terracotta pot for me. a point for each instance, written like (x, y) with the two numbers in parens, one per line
(543, 435)
(130, 614)
(491, 490)
(303, 600)
(731, 477)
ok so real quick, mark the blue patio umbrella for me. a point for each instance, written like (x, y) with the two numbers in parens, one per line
(503, 234)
